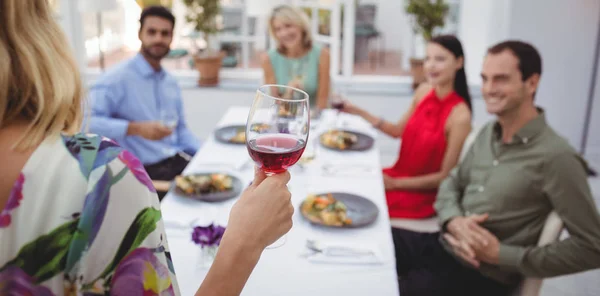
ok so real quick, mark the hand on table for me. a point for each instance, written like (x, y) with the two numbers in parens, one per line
(263, 213)
(151, 130)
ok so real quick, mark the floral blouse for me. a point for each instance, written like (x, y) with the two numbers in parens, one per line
(83, 219)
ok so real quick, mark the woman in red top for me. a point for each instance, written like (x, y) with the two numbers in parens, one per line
(433, 131)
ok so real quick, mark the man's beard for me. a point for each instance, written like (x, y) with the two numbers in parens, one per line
(148, 51)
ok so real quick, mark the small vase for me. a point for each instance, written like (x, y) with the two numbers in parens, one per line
(207, 256)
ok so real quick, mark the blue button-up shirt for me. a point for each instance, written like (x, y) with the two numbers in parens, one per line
(134, 91)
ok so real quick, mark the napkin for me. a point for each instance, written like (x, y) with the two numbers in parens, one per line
(374, 258)
(234, 156)
(347, 169)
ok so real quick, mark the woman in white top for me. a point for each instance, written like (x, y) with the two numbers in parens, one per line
(78, 214)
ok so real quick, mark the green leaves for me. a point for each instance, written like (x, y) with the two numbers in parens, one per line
(427, 15)
(143, 225)
(46, 256)
(202, 14)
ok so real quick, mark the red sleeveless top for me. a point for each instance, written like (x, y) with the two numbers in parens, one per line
(422, 151)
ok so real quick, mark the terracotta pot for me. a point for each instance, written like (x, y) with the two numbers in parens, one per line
(209, 67)
(417, 71)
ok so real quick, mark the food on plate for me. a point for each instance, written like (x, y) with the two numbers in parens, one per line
(325, 209)
(203, 184)
(339, 139)
(260, 127)
(239, 137)
(285, 110)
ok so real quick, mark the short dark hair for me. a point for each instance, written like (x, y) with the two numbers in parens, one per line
(530, 61)
(159, 11)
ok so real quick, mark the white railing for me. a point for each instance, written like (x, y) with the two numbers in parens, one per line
(334, 40)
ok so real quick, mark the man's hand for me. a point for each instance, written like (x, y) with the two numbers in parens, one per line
(151, 130)
(491, 252)
(462, 249)
(467, 229)
(472, 242)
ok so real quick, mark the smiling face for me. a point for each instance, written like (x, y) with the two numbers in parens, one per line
(441, 65)
(288, 35)
(503, 88)
(156, 35)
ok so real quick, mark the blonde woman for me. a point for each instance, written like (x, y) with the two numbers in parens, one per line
(78, 214)
(297, 61)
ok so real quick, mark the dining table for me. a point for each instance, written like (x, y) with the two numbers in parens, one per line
(292, 269)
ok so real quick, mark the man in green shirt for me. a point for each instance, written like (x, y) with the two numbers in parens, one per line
(493, 206)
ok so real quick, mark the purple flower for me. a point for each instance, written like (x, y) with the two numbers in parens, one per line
(141, 273)
(14, 281)
(208, 236)
(14, 200)
(137, 168)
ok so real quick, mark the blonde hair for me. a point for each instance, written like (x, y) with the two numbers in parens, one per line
(295, 16)
(39, 79)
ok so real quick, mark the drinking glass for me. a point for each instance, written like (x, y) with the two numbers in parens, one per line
(169, 118)
(286, 111)
(337, 103)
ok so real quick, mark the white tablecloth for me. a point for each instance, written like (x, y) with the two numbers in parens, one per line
(283, 271)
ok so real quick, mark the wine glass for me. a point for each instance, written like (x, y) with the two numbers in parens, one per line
(169, 118)
(337, 103)
(286, 111)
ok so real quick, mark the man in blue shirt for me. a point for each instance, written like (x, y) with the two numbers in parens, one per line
(139, 105)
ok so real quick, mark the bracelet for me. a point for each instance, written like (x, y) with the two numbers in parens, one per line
(379, 123)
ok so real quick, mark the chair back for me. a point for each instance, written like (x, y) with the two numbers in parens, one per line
(550, 233)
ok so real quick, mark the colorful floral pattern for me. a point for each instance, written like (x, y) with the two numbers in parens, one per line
(14, 200)
(155, 279)
(137, 168)
(14, 281)
(60, 248)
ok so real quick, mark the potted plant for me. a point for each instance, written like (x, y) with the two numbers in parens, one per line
(426, 16)
(202, 14)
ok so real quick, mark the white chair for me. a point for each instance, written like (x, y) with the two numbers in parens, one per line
(419, 225)
(550, 233)
(468, 142)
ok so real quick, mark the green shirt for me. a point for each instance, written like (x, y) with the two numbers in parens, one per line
(519, 184)
(305, 67)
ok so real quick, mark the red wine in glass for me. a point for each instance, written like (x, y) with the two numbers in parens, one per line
(339, 105)
(279, 148)
(275, 153)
